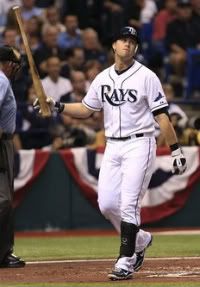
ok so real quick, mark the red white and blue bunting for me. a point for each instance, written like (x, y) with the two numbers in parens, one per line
(167, 193)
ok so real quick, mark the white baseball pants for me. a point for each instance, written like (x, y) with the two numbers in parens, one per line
(125, 173)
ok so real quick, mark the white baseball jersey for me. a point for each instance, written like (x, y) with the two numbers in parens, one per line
(128, 99)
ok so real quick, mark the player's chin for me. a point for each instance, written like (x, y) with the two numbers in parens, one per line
(127, 56)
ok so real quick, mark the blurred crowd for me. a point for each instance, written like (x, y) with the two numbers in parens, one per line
(71, 43)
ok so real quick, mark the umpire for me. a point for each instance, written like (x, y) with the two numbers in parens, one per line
(9, 65)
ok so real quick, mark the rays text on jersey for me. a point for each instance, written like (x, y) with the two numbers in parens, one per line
(117, 97)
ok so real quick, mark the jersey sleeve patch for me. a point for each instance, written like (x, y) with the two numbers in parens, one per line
(159, 97)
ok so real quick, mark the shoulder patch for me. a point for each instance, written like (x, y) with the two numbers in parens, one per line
(160, 96)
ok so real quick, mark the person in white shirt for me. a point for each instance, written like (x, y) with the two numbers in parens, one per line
(29, 10)
(54, 85)
(173, 107)
(52, 18)
(148, 11)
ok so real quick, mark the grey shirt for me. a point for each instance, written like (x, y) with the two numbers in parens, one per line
(8, 106)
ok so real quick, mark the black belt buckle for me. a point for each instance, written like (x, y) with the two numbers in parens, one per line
(119, 139)
(125, 138)
(139, 135)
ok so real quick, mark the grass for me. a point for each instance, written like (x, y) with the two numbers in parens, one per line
(94, 247)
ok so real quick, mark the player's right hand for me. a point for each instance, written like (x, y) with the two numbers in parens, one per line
(179, 162)
(54, 106)
(36, 105)
(49, 100)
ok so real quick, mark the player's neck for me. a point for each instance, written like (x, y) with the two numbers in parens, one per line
(123, 65)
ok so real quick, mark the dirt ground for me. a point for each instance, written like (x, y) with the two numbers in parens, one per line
(154, 270)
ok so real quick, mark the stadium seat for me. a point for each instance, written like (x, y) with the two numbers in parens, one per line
(192, 80)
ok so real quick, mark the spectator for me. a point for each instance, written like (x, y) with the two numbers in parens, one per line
(113, 18)
(178, 116)
(191, 135)
(33, 29)
(11, 19)
(33, 129)
(29, 10)
(68, 137)
(196, 15)
(182, 33)
(162, 19)
(148, 11)
(174, 108)
(78, 81)
(74, 132)
(141, 12)
(44, 4)
(24, 77)
(48, 48)
(160, 23)
(5, 6)
(54, 85)
(133, 13)
(89, 13)
(71, 38)
(90, 125)
(75, 59)
(140, 16)
(92, 46)
(188, 136)
(196, 8)
(52, 18)
(92, 68)
(10, 37)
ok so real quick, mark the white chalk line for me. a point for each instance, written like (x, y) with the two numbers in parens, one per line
(177, 232)
(108, 260)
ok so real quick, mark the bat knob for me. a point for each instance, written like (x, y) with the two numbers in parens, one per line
(15, 7)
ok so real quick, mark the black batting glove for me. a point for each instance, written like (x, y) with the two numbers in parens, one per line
(54, 106)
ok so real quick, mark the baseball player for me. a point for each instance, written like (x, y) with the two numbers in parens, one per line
(131, 96)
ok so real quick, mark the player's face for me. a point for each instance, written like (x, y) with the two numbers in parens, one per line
(125, 48)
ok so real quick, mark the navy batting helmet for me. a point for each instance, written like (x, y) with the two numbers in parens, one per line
(126, 32)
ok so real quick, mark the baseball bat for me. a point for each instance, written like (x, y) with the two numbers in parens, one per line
(45, 109)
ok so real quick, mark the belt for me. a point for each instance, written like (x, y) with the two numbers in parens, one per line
(6, 136)
(127, 138)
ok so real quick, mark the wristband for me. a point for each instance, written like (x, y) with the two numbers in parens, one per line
(174, 147)
(60, 107)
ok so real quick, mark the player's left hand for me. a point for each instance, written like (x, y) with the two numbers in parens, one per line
(179, 162)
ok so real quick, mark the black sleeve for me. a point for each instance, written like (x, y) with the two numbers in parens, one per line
(161, 111)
